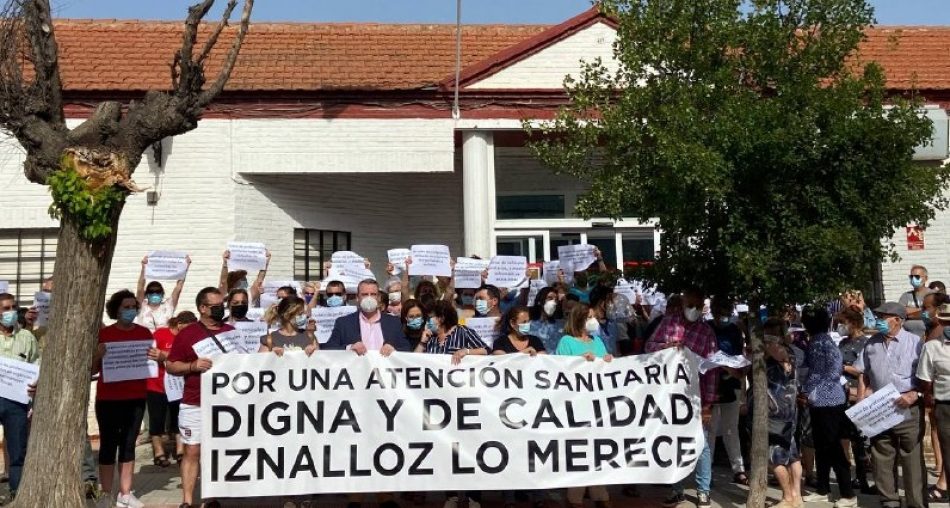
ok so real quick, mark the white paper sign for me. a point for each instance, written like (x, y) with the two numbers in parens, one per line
(174, 387)
(398, 259)
(485, 327)
(250, 333)
(326, 317)
(472, 264)
(467, 279)
(431, 260)
(535, 287)
(255, 313)
(166, 265)
(128, 360)
(576, 258)
(229, 340)
(281, 440)
(507, 271)
(248, 256)
(720, 359)
(351, 265)
(877, 413)
(42, 301)
(626, 289)
(15, 378)
(268, 300)
(271, 286)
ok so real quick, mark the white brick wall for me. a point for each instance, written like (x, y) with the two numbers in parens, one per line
(935, 256)
(547, 68)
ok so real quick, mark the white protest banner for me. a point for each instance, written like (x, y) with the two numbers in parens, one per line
(229, 340)
(576, 258)
(720, 359)
(472, 264)
(398, 259)
(250, 333)
(485, 327)
(877, 413)
(507, 271)
(42, 301)
(15, 379)
(535, 287)
(326, 317)
(166, 265)
(248, 256)
(127, 360)
(414, 422)
(431, 260)
(255, 313)
(174, 387)
(465, 279)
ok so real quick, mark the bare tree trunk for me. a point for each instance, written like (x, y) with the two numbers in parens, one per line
(758, 479)
(56, 439)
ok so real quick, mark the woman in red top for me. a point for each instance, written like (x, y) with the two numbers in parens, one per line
(120, 405)
(163, 413)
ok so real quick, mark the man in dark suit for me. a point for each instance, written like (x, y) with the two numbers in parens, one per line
(369, 329)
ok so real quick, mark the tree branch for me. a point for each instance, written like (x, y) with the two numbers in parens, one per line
(98, 128)
(225, 74)
(213, 39)
(47, 87)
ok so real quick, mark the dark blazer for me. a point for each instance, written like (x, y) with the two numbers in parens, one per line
(346, 331)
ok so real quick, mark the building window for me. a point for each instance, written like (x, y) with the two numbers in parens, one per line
(312, 247)
(530, 207)
(27, 257)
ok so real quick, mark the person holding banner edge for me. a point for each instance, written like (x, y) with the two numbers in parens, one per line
(369, 329)
(184, 361)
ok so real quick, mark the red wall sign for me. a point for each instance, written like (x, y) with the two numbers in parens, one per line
(915, 238)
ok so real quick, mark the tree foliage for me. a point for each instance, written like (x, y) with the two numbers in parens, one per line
(772, 155)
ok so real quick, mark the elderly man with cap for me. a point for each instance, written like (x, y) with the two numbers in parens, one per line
(890, 357)
(933, 373)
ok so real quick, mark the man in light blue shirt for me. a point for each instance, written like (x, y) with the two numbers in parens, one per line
(890, 357)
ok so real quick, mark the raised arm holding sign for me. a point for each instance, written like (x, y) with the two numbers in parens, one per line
(166, 265)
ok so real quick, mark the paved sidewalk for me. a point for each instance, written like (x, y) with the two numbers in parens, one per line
(159, 488)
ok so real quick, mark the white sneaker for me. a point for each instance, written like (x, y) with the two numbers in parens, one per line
(451, 502)
(815, 497)
(128, 501)
(847, 503)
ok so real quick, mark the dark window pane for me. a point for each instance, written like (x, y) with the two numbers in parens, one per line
(314, 246)
(27, 256)
(530, 207)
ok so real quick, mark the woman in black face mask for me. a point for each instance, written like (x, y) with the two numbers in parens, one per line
(238, 305)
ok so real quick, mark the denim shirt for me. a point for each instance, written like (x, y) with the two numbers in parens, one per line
(825, 366)
(549, 332)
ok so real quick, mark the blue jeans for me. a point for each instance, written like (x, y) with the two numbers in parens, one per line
(15, 431)
(703, 469)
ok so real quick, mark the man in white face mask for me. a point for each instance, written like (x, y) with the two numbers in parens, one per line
(368, 329)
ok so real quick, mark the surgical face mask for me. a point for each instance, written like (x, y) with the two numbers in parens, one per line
(395, 298)
(8, 318)
(308, 297)
(217, 313)
(369, 304)
(432, 325)
(524, 328)
(335, 301)
(692, 314)
(126, 315)
(881, 326)
(154, 298)
(300, 320)
(241, 284)
(916, 281)
(550, 307)
(481, 306)
(414, 323)
(592, 326)
(239, 311)
(925, 317)
(467, 299)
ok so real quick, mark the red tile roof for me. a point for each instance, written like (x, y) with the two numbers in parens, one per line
(132, 56)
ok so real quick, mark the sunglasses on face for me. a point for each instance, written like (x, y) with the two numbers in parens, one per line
(334, 294)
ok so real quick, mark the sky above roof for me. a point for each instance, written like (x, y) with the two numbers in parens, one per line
(889, 12)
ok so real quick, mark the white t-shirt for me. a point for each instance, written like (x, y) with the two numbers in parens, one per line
(156, 318)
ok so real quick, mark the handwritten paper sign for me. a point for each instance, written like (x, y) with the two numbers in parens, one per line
(174, 387)
(720, 359)
(15, 378)
(352, 265)
(248, 256)
(398, 259)
(166, 265)
(626, 289)
(465, 279)
(485, 328)
(326, 317)
(877, 413)
(42, 301)
(472, 264)
(268, 300)
(250, 333)
(271, 286)
(128, 360)
(507, 271)
(431, 260)
(229, 340)
(576, 258)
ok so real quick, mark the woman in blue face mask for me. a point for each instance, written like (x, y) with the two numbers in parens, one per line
(157, 310)
(296, 330)
(414, 318)
(514, 334)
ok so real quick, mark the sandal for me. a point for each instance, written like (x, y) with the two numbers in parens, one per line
(937, 495)
(179, 457)
(740, 478)
(161, 461)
